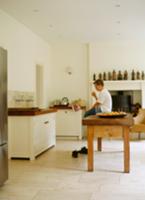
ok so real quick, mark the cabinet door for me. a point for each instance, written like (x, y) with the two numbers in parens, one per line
(68, 123)
(38, 134)
(51, 130)
(44, 132)
(19, 135)
(49, 136)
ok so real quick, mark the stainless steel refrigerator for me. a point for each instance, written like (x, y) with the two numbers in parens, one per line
(3, 117)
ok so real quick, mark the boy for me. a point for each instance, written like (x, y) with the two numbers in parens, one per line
(103, 99)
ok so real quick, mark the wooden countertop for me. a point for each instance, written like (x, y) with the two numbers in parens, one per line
(29, 111)
(61, 107)
(95, 120)
(58, 107)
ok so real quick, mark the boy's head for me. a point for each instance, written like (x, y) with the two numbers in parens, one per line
(99, 84)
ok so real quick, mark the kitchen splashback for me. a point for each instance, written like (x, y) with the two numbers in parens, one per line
(21, 99)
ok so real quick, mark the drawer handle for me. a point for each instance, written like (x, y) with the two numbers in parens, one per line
(46, 122)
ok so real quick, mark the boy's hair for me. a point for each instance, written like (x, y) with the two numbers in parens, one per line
(99, 82)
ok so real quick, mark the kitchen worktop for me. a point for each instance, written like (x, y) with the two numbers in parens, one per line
(64, 107)
(61, 107)
(29, 111)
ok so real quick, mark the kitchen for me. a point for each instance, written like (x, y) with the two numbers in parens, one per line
(121, 48)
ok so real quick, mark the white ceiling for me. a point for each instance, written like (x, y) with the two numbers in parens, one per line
(80, 20)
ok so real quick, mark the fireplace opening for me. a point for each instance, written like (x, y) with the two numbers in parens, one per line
(122, 102)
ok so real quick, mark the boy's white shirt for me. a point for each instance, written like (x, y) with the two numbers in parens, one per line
(105, 100)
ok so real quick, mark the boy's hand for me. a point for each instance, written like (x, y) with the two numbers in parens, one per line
(97, 103)
(94, 95)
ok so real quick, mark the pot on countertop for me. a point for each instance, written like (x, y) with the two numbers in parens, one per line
(65, 101)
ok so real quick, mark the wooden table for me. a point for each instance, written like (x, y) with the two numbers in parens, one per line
(108, 127)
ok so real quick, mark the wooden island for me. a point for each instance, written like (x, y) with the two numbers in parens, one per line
(108, 127)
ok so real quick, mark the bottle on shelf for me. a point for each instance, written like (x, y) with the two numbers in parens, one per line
(125, 75)
(133, 75)
(142, 75)
(109, 76)
(119, 75)
(104, 76)
(114, 75)
(100, 76)
(138, 75)
(94, 77)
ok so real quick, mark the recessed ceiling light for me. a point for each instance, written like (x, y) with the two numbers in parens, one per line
(60, 36)
(117, 5)
(36, 10)
(50, 26)
(118, 34)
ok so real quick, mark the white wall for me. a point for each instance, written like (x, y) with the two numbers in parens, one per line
(74, 55)
(102, 56)
(25, 50)
(117, 55)
(106, 56)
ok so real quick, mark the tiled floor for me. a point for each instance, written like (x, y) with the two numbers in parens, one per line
(55, 175)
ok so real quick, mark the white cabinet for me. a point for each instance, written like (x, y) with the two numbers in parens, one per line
(31, 135)
(69, 123)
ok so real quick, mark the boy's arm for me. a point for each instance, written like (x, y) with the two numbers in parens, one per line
(97, 103)
(94, 95)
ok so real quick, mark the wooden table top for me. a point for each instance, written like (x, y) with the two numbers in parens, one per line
(95, 120)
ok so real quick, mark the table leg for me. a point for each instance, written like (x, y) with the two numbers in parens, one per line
(99, 144)
(126, 149)
(90, 139)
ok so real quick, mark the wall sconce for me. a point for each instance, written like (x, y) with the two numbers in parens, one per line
(68, 70)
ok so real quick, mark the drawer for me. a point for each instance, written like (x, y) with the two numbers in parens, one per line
(108, 131)
(43, 119)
